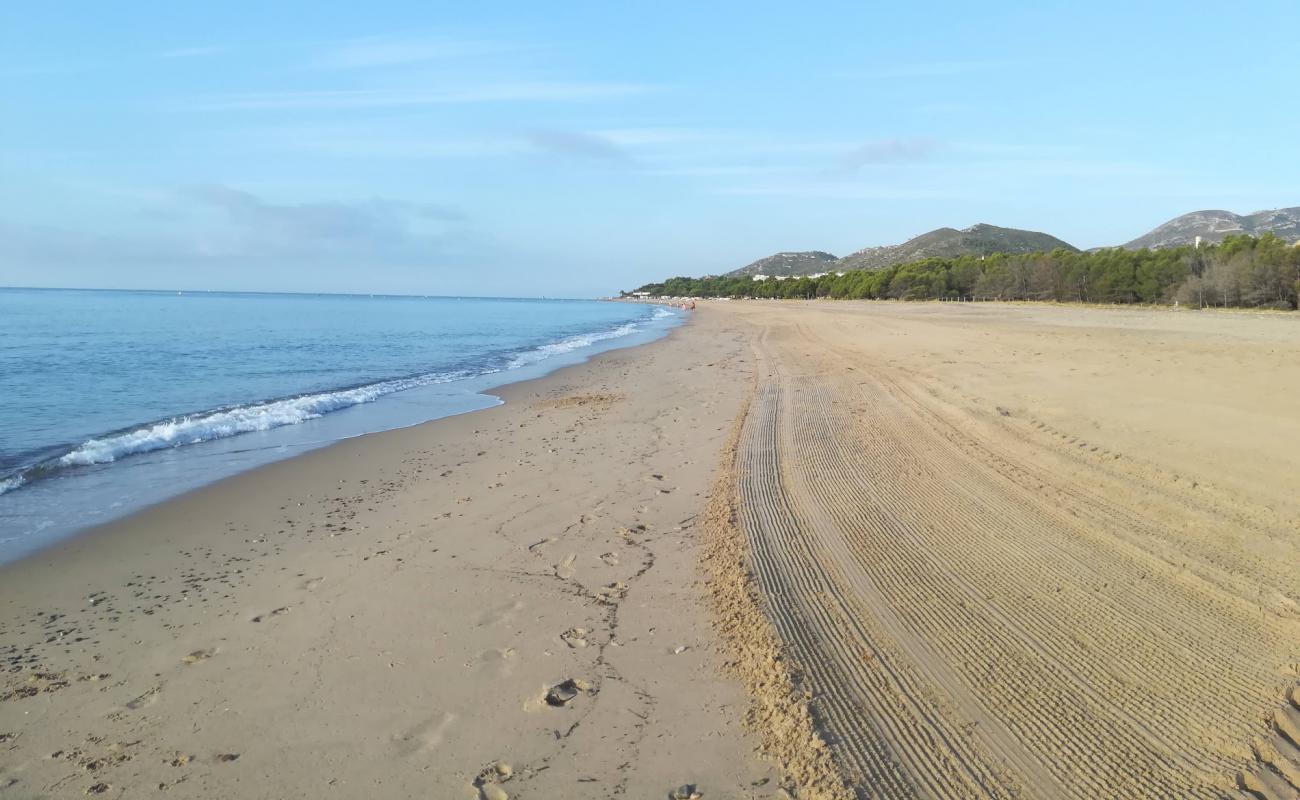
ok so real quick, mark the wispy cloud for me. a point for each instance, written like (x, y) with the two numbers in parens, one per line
(888, 151)
(213, 231)
(649, 137)
(534, 91)
(725, 170)
(386, 51)
(577, 144)
(836, 191)
(378, 140)
(265, 226)
(408, 138)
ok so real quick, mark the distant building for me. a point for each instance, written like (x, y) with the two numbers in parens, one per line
(760, 277)
(640, 294)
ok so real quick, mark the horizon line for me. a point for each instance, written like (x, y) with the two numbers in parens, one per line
(297, 294)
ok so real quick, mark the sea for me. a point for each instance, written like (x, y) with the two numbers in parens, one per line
(111, 401)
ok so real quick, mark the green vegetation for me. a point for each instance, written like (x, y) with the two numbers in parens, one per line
(1241, 271)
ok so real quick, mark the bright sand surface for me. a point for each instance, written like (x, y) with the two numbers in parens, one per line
(926, 550)
(1028, 551)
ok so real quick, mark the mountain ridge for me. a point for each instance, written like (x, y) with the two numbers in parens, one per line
(789, 262)
(1212, 225)
(981, 239)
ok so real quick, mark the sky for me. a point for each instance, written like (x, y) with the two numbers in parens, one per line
(575, 149)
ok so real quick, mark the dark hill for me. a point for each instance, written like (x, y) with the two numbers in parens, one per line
(977, 240)
(801, 263)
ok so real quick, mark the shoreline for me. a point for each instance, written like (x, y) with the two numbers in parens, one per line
(519, 389)
(464, 395)
(498, 604)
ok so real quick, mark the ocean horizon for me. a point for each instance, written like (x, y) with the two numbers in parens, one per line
(112, 400)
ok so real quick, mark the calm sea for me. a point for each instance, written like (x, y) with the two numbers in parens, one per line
(110, 401)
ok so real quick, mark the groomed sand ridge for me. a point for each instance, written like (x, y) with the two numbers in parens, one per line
(1001, 560)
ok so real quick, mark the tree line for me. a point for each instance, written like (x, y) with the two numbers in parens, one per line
(1240, 271)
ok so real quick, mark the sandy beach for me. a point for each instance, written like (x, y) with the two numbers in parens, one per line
(386, 617)
(812, 550)
(1026, 551)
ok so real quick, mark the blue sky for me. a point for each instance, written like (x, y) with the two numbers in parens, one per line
(578, 148)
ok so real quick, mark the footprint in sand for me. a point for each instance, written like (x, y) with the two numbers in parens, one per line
(489, 780)
(610, 558)
(273, 613)
(612, 593)
(311, 583)
(147, 699)
(502, 660)
(198, 656)
(564, 570)
(424, 737)
(501, 614)
(575, 637)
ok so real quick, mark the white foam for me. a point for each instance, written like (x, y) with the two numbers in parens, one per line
(570, 344)
(223, 423)
(195, 428)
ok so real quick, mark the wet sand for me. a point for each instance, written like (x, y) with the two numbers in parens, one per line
(813, 550)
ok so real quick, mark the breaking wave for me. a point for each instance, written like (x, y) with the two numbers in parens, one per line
(570, 344)
(265, 415)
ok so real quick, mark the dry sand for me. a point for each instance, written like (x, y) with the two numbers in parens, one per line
(950, 551)
(1025, 551)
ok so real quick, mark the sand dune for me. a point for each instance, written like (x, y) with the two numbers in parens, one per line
(990, 583)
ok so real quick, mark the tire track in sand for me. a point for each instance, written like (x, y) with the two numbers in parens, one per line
(969, 626)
